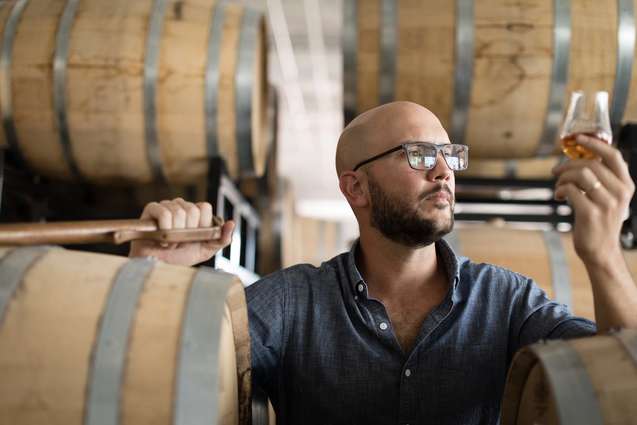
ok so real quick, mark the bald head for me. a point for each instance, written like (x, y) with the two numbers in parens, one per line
(384, 127)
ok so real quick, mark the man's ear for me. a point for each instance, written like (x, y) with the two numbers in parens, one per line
(354, 188)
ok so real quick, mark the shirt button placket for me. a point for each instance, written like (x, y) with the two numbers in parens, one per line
(406, 408)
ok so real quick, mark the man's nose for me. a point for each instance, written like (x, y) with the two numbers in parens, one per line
(441, 170)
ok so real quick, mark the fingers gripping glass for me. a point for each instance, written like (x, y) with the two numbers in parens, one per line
(424, 155)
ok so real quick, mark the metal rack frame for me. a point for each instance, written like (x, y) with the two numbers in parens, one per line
(627, 144)
(552, 213)
(1, 176)
(240, 257)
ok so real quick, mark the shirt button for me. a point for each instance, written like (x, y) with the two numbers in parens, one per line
(407, 373)
(383, 326)
(360, 287)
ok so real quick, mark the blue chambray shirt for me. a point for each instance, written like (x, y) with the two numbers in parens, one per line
(326, 353)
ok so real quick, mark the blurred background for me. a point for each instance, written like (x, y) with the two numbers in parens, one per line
(108, 106)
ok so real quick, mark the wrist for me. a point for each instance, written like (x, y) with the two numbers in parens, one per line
(604, 260)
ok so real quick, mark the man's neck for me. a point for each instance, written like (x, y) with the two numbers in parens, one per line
(392, 269)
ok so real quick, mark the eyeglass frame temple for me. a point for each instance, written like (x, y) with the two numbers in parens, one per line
(404, 147)
(380, 155)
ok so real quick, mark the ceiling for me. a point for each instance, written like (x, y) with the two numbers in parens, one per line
(305, 64)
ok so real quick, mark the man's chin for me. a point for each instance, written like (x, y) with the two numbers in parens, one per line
(443, 227)
(442, 213)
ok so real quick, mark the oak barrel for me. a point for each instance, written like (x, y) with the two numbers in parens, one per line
(546, 256)
(133, 91)
(581, 381)
(266, 193)
(497, 73)
(87, 337)
(267, 184)
(526, 168)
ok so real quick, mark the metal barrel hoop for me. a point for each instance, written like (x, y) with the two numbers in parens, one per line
(108, 362)
(244, 76)
(559, 76)
(151, 75)
(388, 45)
(60, 67)
(463, 73)
(350, 59)
(212, 78)
(13, 266)
(575, 397)
(197, 376)
(6, 57)
(625, 57)
(559, 267)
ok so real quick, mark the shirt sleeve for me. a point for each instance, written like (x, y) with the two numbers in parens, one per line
(266, 301)
(536, 317)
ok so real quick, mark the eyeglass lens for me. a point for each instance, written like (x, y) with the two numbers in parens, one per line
(423, 157)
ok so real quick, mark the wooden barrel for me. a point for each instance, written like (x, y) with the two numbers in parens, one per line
(268, 194)
(527, 168)
(276, 212)
(267, 185)
(262, 409)
(87, 337)
(133, 92)
(546, 256)
(580, 381)
(311, 240)
(497, 73)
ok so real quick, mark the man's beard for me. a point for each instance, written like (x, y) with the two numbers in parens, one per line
(401, 223)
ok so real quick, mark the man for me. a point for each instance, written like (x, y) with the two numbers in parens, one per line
(400, 330)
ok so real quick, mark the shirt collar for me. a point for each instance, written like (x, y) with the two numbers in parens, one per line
(443, 249)
(355, 276)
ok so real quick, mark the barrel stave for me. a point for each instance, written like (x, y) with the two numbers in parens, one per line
(426, 45)
(105, 99)
(510, 82)
(32, 88)
(46, 339)
(148, 389)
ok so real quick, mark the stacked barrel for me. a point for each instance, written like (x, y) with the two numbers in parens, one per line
(496, 73)
(133, 92)
(546, 256)
(137, 95)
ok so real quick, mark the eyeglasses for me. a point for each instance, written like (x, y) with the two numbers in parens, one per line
(424, 155)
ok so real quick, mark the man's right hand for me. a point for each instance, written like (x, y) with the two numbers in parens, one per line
(180, 214)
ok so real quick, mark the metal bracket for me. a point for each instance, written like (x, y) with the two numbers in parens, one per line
(1, 176)
(240, 257)
(627, 144)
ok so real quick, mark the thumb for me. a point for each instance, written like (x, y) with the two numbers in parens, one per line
(226, 233)
(223, 241)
